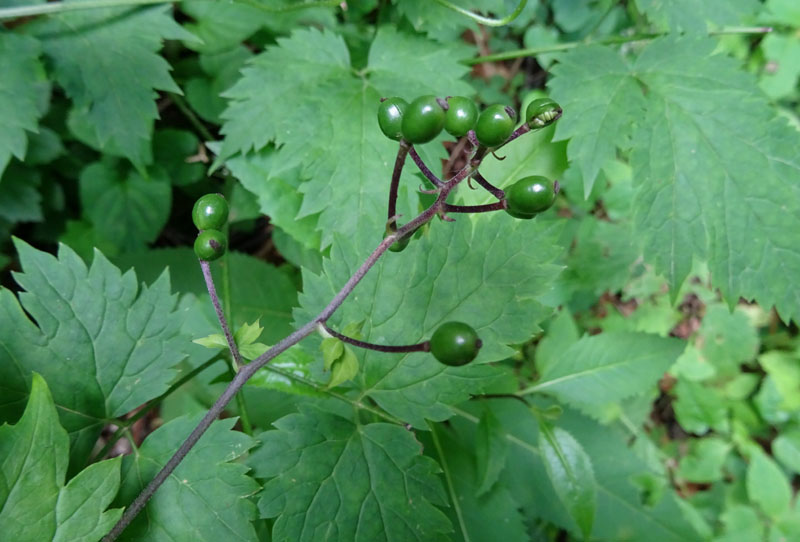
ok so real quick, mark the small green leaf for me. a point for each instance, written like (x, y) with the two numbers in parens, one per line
(700, 408)
(784, 368)
(705, 460)
(570, 471)
(742, 524)
(248, 333)
(344, 369)
(332, 349)
(215, 340)
(786, 449)
(767, 485)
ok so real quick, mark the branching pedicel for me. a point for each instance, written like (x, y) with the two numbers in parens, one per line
(453, 343)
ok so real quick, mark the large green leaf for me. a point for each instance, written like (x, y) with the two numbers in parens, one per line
(35, 504)
(608, 367)
(104, 344)
(477, 270)
(716, 170)
(23, 78)
(477, 515)
(123, 206)
(330, 479)
(206, 498)
(106, 59)
(322, 115)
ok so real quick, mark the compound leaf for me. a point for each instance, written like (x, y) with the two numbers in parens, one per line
(332, 131)
(106, 59)
(329, 479)
(480, 271)
(105, 345)
(715, 169)
(34, 502)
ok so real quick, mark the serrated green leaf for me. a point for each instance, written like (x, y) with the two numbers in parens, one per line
(106, 60)
(767, 486)
(478, 271)
(105, 344)
(276, 187)
(490, 452)
(562, 333)
(609, 367)
(35, 504)
(22, 82)
(248, 333)
(570, 471)
(124, 207)
(691, 16)
(345, 368)
(705, 185)
(601, 105)
(206, 496)
(342, 152)
(329, 478)
(700, 408)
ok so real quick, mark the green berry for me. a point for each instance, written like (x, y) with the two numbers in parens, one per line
(495, 124)
(455, 343)
(461, 115)
(210, 212)
(423, 120)
(542, 112)
(390, 117)
(530, 195)
(210, 245)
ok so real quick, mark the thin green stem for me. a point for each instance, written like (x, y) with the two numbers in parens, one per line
(59, 7)
(449, 480)
(187, 112)
(244, 417)
(150, 405)
(488, 21)
(611, 40)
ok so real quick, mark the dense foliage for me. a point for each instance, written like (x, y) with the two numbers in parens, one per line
(637, 372)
